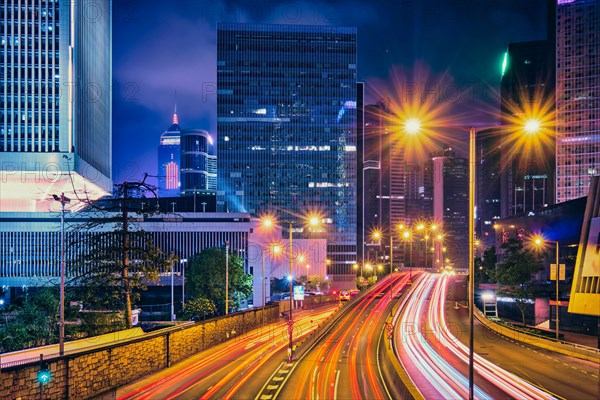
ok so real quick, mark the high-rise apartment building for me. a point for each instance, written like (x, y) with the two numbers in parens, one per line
(55, 102)
(286, 129)
(577, 96)
(169, 171)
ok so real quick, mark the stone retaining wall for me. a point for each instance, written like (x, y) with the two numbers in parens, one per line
(94, 371)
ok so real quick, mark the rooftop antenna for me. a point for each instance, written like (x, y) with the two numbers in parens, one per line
(175, 119)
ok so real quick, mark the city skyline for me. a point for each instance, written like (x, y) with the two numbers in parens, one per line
(172, 47)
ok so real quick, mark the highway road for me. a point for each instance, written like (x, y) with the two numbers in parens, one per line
(432, 344)
(234, 369)
(345, 364)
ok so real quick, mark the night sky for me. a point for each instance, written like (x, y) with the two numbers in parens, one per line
(161, 47)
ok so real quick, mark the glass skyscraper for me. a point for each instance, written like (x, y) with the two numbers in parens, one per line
(169, 150)
(577, 97)
(55, 101)
(286, 128)
(198, 163)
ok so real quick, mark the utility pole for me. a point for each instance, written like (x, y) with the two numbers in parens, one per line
(125, 267)
(61, 324)
(226, 277)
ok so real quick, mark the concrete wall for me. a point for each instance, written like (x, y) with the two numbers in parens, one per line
(92, 372)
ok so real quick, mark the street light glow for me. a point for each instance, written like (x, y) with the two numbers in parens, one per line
(412, 126)
(532, 126)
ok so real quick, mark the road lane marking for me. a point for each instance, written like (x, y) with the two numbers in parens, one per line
(337, 379)
(272, 387)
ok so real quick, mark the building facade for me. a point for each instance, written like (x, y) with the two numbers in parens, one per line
(286, 124)
(527, 87)
(30, 246)
(450, 207)
(55, 102)
(198, 162)
(488, 190)
(169, 171)
(577, 97)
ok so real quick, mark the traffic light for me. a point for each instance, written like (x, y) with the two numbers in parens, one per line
(44, 374)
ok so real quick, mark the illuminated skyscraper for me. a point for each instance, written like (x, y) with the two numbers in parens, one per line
(168, 160)
(286, 107)
(55, 102)
(577, 96)
(198, 163)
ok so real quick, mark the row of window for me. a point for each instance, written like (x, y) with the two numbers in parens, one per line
(281, 64)
(32, 28)
(31, 72)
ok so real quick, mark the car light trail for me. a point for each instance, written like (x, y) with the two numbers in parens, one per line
(433, 372)
(510, 383)
(254, 348)
(444, 378)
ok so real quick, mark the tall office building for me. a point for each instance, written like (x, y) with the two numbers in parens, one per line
(360, 176)
(450, 178)
(527, 85)
(169, 171)
(376, 177)
(55, 102)
(577, 96)
(286, 128)
(385, 187)
(198, 163)
(488, 191)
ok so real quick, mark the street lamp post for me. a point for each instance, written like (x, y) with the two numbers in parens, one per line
(172, 291)
(557, 276)
(540, 241)
(408, 235)
(291, 279)
(313, 220)
(61, 324)
(530, 126)
(183, 262)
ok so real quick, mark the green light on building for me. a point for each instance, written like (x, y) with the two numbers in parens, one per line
(504, 63)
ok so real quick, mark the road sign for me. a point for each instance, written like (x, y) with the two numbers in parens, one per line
(561, 274)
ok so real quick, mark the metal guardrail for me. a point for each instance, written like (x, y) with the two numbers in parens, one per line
(533, 339)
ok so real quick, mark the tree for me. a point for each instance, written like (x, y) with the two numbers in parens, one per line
(31, 321)
(116, 259)
(515, 275)
(486, 265)
(199, 308)
(315, 282)
(205, 277)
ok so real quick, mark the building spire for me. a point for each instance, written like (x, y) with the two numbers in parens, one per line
(175, 119)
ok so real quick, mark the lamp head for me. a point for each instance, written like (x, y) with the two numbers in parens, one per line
(531, 126)
(412, 126)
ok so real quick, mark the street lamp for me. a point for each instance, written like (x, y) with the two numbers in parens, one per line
(530, 126)
(426, 232)
(61, 322)
(313, 220)
(407, 235)
(183, 262)
(539, 241)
